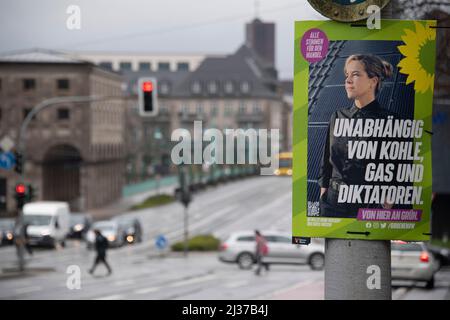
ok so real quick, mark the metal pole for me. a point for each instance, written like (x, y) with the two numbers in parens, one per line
(357, 270)
(186, 249)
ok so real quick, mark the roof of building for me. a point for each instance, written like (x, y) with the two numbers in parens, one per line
(38, 55)
(242, 66)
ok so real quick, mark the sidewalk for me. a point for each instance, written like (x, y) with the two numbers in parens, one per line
(132, 195)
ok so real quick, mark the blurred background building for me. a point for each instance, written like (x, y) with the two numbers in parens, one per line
(85, 153)
(75, 152)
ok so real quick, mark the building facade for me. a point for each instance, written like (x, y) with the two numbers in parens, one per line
(142, 62)
(75, 152)
(231, 92)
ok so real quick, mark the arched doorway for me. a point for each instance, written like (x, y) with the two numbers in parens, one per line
(61, 175)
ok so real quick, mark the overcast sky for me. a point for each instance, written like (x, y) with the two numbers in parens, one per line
(167, 26)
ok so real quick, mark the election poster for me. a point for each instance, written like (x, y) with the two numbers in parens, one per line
(362, 129)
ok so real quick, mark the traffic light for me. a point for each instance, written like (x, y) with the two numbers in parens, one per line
(19, 162)
(31, 193)
(20, 194)
(148, 97)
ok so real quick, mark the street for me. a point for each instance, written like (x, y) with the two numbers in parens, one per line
(141, 272)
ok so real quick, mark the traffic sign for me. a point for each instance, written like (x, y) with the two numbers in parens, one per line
(161, 242)
(7, 160)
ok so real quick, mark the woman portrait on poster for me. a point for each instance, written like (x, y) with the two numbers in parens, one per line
(364, 75)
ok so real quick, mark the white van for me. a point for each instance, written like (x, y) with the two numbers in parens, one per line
(48, 222)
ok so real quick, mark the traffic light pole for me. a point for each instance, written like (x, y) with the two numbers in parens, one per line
(20, 243)
(186, 235)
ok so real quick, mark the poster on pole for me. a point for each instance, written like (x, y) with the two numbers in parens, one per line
(362, 129)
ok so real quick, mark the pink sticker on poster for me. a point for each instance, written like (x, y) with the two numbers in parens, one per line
(314, 45)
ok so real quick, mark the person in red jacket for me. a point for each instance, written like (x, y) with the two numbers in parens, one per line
(261, 250)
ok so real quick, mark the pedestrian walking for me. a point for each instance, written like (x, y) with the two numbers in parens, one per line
(101, 245)
(261, 250)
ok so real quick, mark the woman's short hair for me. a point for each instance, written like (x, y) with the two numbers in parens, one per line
(374, 67)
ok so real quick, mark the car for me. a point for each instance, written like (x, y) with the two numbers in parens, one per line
(413, 261)
(239, 248)
(80, 224)
(47, 221)
(110, 229)
(7, 231)
(132, 228)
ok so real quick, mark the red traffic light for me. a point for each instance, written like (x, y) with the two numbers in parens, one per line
(147, 86)
(20, 189)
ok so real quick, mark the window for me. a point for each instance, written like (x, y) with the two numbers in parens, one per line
(164, 87)
(249, 238)
(199, 108)
(242, 107)
(213, 87)
(163, 109)
(229, 87)
(245, 87)
(29, 84)
(184, 110)
(63, 84)
(63, 114)
(106, 65)
(256, 108)
(196, 87)
(227, 108)
(183, 66)
(163, 66)
(125, 66)
(144, 66)
(214, 109)
(282, 239)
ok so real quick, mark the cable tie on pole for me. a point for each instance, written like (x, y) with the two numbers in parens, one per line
(429, 132)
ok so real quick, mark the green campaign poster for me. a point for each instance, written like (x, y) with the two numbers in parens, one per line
(362, 129)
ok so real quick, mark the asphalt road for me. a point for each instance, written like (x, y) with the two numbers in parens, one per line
(142, 272)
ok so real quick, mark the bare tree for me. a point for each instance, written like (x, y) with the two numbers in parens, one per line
(416, 9)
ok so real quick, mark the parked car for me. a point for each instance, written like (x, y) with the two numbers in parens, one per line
(413, 261)
(80, 223)
(132, 229)
(240, 248)
(7, 231)
(48, 222)
(110, 229)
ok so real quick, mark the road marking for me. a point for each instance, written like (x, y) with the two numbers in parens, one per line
(147, 290)
(28, 289)
(194, 280)
(113, 297)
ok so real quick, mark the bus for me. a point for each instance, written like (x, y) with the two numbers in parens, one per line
(285, 164)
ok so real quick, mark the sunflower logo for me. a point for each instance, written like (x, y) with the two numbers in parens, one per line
(419, 61)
